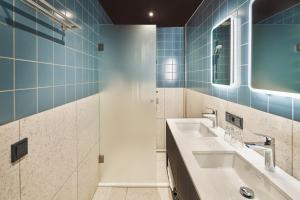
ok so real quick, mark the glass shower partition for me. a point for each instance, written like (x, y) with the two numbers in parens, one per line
(127, 107)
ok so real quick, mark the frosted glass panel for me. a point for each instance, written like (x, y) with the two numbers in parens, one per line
(127, 106)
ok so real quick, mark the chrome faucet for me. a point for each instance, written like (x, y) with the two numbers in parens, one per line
(269, 150)
(213, 116)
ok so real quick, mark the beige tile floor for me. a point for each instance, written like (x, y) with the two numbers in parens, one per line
(117, 193)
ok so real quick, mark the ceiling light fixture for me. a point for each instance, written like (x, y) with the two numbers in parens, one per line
(151, 14)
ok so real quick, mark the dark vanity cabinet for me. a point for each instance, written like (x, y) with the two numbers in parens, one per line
(185, 188)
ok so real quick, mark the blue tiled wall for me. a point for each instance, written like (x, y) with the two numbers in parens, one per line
(198, 30)
(41, 66)
(170, 70)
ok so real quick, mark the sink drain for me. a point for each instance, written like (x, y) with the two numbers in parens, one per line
(247, 192)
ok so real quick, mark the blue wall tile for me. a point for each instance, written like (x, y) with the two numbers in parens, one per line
(297, 109)
(26, 103)
(71, 93)
(6, 74)
(244, 96)
(71, 75)
(281, 106)
(6, 40)
(55, 56)
(26, 75)
(6, 107)
(6, 14)
(259, 101)
(45, 50)
(59, 75)
(25, 45)
(45, 75)
(170, 57)
(45, 99)
(197, 52)
(59, 54)
(59, 95)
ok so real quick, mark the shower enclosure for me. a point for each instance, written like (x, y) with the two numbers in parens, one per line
(127, 116)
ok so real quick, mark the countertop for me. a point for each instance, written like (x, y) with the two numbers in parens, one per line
(215, 184)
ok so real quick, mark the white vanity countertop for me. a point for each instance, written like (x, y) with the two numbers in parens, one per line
(208, 183)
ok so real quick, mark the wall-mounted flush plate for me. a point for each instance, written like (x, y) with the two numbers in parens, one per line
(234, 120)
(101, 159)
(19, 150)
(100, 47)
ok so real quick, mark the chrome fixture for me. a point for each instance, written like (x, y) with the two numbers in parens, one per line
(247, 192)
(213, 116)
(269, 150)
(54, 14)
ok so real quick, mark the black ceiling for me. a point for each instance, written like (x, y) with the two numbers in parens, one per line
(167, 12)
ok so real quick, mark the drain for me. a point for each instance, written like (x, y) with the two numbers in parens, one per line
(247, 192)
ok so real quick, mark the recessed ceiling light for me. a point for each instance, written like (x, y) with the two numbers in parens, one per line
(151, 14)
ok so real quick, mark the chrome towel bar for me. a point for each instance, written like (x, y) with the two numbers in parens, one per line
(52, 13)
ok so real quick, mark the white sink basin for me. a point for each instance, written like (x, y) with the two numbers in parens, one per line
(228, 171)
(194, 129)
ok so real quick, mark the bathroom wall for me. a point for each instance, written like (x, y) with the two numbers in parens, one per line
(170, 57)
(49, 85)
(277, 116)
(62, 162)
(41, 66)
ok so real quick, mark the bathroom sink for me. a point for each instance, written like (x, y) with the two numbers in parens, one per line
(194, 129)
(228, 172)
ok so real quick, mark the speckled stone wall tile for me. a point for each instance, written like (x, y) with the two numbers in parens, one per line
(88, 174)
(69, 189)
(296, 150)
(88, 119)
(9, 173)
(52, 152)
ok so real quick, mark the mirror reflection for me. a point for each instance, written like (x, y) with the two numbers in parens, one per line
(221, 55)
(276, 45)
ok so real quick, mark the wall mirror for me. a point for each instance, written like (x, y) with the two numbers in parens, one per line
(275, 46)
(222, 53)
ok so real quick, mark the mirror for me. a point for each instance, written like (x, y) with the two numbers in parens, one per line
(275, 46)
(222, 53)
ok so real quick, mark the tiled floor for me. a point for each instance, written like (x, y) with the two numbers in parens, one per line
(117, 193)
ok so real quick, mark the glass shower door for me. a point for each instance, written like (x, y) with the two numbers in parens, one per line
(127, 116)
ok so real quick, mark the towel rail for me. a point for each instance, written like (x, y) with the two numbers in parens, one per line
(52, 13)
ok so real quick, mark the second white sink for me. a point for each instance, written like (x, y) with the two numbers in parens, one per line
(228, 171)
(194, 129)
